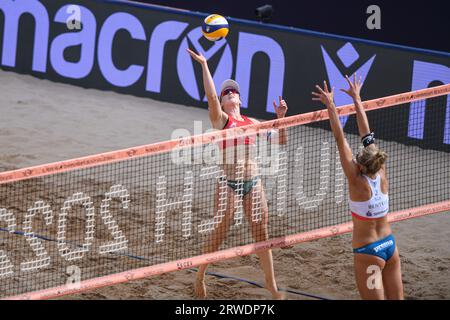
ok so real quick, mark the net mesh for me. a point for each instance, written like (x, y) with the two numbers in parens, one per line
(163, 207)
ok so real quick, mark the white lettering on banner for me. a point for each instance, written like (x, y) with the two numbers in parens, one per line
(6, 267)
(120, 242)
(186, 225)
(65, 250)
(278, 179)
(239, 193)
(160, 219)
(219, 175)
(43, 259)
(73, 251)
(257, 205)
(163, 205)
(302, 200)
(339, 180)
(281, 184)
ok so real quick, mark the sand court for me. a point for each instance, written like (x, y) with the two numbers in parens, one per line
(46, 122)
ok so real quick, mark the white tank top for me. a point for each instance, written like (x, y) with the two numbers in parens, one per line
(376, 207)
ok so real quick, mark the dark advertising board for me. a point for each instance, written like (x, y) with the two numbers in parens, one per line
(141, 50)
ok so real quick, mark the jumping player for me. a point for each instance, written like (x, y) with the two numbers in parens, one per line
(376, 258)
(224, 113)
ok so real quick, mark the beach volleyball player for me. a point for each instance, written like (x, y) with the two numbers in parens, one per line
(376, 258)
(224, 113)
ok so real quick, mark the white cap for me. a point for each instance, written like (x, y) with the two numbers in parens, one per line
(229, 83)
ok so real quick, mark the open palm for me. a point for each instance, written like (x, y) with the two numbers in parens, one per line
(324, 95)
(354, 87)
(197, 57)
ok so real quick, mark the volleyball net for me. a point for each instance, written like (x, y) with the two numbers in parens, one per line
(100, 220)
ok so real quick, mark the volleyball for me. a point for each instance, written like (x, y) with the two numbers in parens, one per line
(215, 27)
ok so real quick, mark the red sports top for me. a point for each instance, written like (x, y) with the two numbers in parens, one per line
(233, 123)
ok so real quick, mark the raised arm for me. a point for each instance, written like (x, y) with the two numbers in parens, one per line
(280, 111)
(345, 152)
(216, 115)
(361, 117)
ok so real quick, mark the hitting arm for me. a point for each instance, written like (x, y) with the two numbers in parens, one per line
(361, 117)
(217, 117)
(345, 152)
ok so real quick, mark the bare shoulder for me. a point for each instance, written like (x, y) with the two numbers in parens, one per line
(220, 123)
(358, 187)
(357, 180)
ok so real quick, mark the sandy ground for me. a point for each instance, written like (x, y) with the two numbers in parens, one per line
(46, 122)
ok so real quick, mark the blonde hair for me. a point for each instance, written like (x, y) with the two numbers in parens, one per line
(371, 158)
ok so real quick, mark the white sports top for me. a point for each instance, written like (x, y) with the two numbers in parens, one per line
(376, 207)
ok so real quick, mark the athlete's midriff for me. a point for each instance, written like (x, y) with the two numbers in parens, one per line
(369, 231)
(238, 154)
(240, 161)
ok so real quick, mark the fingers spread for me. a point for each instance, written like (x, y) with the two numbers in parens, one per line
(348, 80)
(320, 89)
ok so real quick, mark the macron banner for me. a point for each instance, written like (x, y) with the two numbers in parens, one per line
(141, 50)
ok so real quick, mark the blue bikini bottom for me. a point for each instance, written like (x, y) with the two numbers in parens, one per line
(383, 248)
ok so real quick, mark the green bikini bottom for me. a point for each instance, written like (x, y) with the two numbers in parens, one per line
(246, 187)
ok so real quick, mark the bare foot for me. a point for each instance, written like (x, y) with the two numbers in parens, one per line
(200, 288)
(276, 295)
(279, 295)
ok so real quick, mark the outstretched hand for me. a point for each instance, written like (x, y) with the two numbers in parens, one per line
(324, 95)
(281, 109)
(355, 87)
(197, 57)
